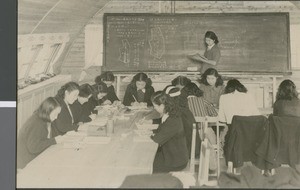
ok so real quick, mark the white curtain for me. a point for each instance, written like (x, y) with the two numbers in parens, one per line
(93, 47)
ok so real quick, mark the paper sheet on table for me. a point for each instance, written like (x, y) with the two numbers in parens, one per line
(76, 134)
(96, 140)
(146, 126)
(142, 139)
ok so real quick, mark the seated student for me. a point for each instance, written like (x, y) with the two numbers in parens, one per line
(139, 91)
(201, 108)
(100, 90)
(180, 82)
(287, 102)
(34, 136)
(186, 115)
(172, 154)
(80, 109)
(65, 122)
(108, 78)
(211, 83)
(235, 101)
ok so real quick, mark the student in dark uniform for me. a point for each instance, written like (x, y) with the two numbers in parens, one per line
(108, 78)
(287, 101)
(65, 122)
(172, 154)
(101, 92)
(186, 115)
(139, 91)
(34, 136)
(81, 112)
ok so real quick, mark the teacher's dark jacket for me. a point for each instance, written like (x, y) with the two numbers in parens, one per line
(63, 123)
(132, 91)
(32, 140)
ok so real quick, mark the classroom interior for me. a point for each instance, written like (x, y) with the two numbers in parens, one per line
(64, 40)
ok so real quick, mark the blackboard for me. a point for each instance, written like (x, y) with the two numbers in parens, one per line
(249, 42)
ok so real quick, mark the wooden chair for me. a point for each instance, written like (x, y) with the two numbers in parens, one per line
(206, 147)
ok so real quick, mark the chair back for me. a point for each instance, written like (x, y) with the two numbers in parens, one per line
(243, 138)
(281, 144)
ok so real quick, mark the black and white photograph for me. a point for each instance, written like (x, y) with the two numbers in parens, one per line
(157, 94)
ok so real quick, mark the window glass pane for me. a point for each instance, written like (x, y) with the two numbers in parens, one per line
(25, 56)
(41, 61)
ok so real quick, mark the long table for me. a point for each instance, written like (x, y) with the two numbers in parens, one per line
(93, 166)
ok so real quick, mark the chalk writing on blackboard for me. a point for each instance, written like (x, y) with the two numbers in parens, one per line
(125, 52)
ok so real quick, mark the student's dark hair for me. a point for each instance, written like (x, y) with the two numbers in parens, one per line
(179, 98)
(286, 90)
(100, 88)
(141, 77)
(46, 107)
(211, 71)
(106, 76)
(192, 89)
(85, 90)
(171, 107)
(233, 85)
(211, 35)
(70, 87)
(181, 80)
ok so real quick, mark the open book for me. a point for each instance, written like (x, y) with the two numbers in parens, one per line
(197, 57)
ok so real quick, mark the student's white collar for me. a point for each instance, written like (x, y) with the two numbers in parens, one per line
(164, 117)
(209, 47)
(143, 90)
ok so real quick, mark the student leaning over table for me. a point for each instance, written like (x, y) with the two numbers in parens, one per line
(172, 153)
(80, 109)
(139, 91)
(108, 78)
(65, 122)
(34, 136)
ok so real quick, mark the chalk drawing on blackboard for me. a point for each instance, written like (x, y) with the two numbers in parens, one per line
(125, 52)
(156, 42)
(233, 39)
(157, 64)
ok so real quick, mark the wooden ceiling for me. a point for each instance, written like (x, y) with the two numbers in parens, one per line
(56, 16)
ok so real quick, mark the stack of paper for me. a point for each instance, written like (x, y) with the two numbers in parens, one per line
(96, 140)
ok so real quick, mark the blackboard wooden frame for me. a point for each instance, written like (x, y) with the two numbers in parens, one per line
(287, 64)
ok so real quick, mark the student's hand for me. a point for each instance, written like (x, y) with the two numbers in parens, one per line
(141, 121)
(93, 116)
(143, 104)
(80, 123)
(59, 139)
(135, 104)
(106, 102)
(117, 103)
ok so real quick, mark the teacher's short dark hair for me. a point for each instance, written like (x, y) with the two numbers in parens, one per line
(233, 85)
(212, 35)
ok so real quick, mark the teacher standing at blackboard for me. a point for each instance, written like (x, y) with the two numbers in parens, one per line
(212, 52)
